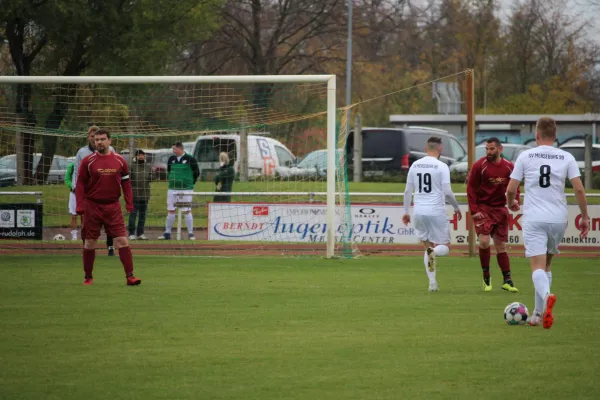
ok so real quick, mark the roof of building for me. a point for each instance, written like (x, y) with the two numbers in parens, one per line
(491, 118)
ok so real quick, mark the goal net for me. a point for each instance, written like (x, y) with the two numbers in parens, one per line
(276, 138)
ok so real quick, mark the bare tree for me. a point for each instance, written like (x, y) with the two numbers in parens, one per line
(557, 31)
(271, 37)
(522, 42)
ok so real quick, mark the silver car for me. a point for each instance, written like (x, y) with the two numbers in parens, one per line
(56, 175)
(509, 151)
(312, 165)
(577, 150)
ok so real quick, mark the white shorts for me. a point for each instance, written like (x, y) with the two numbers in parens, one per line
(72, 204)
(173, 198)
(542, 237)
(432, 228)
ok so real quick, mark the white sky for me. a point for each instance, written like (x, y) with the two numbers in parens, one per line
(580, 9)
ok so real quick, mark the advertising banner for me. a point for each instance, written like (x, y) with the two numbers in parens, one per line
(21, 221)
(371, 224)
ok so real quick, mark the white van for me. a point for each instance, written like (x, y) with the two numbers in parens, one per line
(264, 154)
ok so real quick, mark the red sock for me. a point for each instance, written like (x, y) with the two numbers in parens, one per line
(89, 255)
(484, 259)
(126, 260)
(504, 263)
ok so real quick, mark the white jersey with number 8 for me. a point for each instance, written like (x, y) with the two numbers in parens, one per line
(545, 169)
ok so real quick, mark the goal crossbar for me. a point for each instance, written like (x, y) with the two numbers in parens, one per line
(167, 79)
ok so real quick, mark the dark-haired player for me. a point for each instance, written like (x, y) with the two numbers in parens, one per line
(101, 177)
(486, 191)
(429, 178)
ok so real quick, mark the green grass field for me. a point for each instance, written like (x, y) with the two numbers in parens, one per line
(219, 328)
(56, 197)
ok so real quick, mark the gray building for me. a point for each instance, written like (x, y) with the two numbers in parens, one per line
(510, 128)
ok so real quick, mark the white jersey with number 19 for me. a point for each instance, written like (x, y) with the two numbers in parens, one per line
(428, 176)
(544, 169)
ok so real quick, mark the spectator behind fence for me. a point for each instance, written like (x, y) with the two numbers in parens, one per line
(140, 174)
(224, 179)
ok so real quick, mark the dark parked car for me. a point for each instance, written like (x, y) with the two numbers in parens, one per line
(391, 151)
(56, 175)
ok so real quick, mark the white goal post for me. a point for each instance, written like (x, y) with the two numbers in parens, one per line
(329, 80)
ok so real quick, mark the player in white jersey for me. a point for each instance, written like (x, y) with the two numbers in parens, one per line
(430, 179)
(544, 169)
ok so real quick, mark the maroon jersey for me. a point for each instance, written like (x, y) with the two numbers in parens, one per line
(487, 184)
(102, 177)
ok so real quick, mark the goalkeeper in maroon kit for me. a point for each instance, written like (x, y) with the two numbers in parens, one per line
(486, 192)
(101, 176)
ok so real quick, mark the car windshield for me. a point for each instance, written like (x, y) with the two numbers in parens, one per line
(508, 152)
(579, 153)
(479, 152)
(316, 158)
(8, 162)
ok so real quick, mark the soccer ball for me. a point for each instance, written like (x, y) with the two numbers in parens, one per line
(59, 237)
(516, 313)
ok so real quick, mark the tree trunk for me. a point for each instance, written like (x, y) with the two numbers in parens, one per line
(75, 66)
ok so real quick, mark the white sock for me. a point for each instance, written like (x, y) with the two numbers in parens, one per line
(441, 250)
(170, 222)
(539, 304)
(74, 234)
(540, 283)
(430, 275)
(549, 275)
(189, 222)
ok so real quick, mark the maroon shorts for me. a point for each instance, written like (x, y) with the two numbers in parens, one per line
(97, 216)
(494, 222)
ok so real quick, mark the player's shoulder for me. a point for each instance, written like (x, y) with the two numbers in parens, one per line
(81, 152)
(89, 157)
(442, 166)
(508, 163)
(567, 156)
(480, 161)
(118, 156)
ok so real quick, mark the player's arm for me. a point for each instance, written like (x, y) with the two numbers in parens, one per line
(195, 168)
(82, 175)
(516, 177)
(473, 183)
(511, 190)
(450, 197)
(69, 176)
(169, 162)
(448, 193)
(518, 197)
(76, 165)
(408, 192)
(575, 177)
(127, 190)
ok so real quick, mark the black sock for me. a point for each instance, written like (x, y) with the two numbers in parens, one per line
(486, 275)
